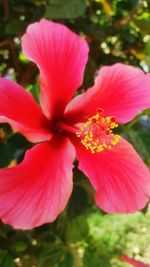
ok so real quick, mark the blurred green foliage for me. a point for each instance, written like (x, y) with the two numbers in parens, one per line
(82, 236)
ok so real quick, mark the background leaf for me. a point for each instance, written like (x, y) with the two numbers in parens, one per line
(66, 9)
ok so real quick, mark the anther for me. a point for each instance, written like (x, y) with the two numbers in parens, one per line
(96, 133)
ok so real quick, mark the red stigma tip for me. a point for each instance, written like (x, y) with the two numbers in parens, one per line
(107, 132)
(99, 110)
(94, 120)
(113, 119)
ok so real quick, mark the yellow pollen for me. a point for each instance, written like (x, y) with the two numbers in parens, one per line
(96, 133)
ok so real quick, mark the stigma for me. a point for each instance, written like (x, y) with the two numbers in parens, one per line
(96, 134)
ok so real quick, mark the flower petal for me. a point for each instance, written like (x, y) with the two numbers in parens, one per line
(134, 262)
(18, 108)
(61, 56)
(37, 190)
(120, 178)
(121, 90)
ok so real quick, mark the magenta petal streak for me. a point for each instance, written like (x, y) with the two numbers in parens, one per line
(61, 56)
(119, 176)
(121, 90)
(19, 109)
(134, 262)
(38, 189)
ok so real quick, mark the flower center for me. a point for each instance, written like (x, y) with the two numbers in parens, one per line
(96, 133)
(61, 127)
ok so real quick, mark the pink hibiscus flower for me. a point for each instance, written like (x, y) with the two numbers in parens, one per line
(37, 190)
(134, 262)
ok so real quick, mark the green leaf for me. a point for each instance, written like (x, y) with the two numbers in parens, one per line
(66, 261)
(93, 259)
(34, 90)
(7, 153)
(55, 255)
(77, 229)
(147, 48)
(15, 27)
(6, 260)
(66, 9)
(78, 193)
(141, 142)
(143, 22)
(23, 58)
(20, 246)
(147, 53)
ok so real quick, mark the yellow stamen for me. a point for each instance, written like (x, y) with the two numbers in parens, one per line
(96, 133)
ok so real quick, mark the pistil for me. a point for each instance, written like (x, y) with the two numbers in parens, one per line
(96, 133)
